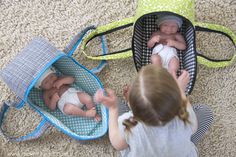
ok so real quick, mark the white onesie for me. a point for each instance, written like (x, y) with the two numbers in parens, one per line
(166, 53)
(69, 96)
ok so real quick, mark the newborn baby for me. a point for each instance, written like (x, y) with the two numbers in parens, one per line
(58, 93)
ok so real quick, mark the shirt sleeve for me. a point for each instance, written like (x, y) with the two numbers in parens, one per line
(120, 121)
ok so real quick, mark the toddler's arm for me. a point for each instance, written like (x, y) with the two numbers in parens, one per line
(64, 80)
(182, 82)
(110, 101)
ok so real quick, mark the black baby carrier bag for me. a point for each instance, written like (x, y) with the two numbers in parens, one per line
(144, 23)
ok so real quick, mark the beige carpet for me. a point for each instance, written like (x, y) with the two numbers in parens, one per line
(59, 20)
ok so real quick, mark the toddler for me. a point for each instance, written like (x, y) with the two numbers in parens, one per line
(58, 93)
(161, 122)
(165, 42)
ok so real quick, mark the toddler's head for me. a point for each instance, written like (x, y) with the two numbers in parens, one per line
(155, 97)
(169, 24)
(47, 80)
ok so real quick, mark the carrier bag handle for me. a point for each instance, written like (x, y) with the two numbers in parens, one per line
(213, 63)
(106, 29)
(76, 41)
(36, 133)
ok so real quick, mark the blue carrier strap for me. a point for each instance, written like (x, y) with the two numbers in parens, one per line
(36, 133)
(76, 41)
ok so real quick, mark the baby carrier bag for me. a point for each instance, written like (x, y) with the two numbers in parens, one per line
(144, 23)
(21, 75)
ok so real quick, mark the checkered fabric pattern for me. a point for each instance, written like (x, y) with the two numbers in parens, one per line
(25, 67)
(141, 53)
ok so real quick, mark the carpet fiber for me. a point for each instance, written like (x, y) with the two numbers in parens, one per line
(59, 20)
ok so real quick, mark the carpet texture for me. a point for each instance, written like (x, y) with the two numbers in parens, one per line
(59, 20)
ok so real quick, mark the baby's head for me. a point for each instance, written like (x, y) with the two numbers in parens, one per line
(47, 79)
(155, 97)
(169, 24)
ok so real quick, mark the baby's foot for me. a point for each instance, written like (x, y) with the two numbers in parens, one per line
(91, 112)
(97, 118)
(183, 80)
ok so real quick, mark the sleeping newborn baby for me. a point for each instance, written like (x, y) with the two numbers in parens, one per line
(58, 93)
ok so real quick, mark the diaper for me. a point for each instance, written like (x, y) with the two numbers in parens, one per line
(69, 96)
(166, 53)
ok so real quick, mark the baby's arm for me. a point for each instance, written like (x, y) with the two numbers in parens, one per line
(51, 99)
(179, 42)
(155, 38)
(64, 80)
(110, 101)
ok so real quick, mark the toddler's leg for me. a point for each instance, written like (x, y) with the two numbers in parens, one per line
(156, 59)
(173, 67)
(204, 118)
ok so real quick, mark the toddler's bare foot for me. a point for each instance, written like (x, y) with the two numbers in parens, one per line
(183, 80)
(91, 112)
(97, 118)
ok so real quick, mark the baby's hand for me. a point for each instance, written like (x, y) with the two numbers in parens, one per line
(64, 80)
(109, 101)
(58, 84)
(157, 38)
(56, 97)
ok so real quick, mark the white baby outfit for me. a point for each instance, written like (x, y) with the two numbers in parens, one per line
(166, 53)
(69, 96)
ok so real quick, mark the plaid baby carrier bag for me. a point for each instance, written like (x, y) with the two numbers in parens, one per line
(25, 69)
(144, 23)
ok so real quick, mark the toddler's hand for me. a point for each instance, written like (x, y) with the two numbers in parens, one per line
(98, 96)
(126, 92)
(109, 101)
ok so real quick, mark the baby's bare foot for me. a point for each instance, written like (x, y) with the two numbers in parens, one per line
(183, 80)
(91, 112)
(97, 118)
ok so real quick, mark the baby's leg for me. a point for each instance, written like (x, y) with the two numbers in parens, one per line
(86, 100)
(156, 59)
(173, 67)
(71, 109)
